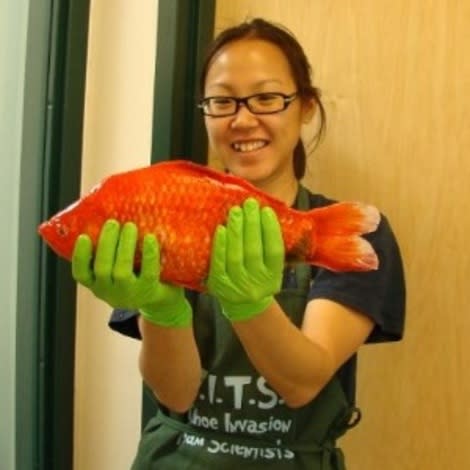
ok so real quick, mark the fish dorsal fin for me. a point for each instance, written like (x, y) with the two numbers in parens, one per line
(224, 178)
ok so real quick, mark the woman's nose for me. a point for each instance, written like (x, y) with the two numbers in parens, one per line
(244, 118)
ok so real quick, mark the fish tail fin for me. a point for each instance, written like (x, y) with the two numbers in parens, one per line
(339, 245)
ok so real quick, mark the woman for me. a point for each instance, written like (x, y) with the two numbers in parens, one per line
(261, 370)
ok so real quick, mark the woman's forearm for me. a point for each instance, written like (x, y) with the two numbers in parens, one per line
(170, 364)
(294, 366)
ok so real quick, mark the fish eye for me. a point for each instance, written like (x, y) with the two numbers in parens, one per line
(62, 231)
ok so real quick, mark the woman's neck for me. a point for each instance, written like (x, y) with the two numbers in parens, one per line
(284, 189)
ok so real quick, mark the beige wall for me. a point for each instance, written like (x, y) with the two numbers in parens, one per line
(117, 136)
(396, 82)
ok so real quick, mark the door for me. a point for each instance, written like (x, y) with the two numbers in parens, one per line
(395, 77)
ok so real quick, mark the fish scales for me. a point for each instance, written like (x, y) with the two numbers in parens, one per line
(182, 204)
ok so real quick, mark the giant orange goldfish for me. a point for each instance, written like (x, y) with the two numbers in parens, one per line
(182, 203)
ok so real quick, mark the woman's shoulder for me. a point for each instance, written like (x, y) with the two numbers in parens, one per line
(380, 294)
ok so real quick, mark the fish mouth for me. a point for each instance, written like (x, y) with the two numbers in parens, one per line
(247, 146)
(44, 230)
(47, 232)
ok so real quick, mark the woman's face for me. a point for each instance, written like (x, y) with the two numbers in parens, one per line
(258, 148)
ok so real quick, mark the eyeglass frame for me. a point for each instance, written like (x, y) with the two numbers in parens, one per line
(288, 99)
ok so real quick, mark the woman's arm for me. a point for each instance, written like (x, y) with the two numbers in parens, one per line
(299, 363)
(170, 364)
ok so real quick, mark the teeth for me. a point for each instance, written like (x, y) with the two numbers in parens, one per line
(248, 146)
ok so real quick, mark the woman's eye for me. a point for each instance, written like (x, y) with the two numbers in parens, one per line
(266, 99)
(221, 102)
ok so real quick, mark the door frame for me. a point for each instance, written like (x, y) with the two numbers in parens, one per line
(55, 69)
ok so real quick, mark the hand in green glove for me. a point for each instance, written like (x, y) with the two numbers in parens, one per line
(247, 261)
(110, 276)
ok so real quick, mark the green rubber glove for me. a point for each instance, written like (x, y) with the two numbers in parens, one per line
(247, 261)
(111, 277)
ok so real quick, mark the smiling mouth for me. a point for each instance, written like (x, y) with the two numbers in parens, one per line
(249, 146)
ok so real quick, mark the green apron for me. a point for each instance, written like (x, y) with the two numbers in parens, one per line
(238, 421)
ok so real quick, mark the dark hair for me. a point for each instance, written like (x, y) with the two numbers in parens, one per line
(301, 70)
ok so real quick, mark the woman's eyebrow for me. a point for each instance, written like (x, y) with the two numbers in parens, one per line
(259, 84)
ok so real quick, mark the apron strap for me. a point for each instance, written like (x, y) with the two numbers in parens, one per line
(347, 420)
(303, 199)
(303, 271)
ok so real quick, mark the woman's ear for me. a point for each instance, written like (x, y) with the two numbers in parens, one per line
(309, 107)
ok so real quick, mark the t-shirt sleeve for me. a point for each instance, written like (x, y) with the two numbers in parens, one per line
(125, 322)
(379, 294)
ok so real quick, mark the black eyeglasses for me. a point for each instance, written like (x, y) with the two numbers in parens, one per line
(260, 103)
